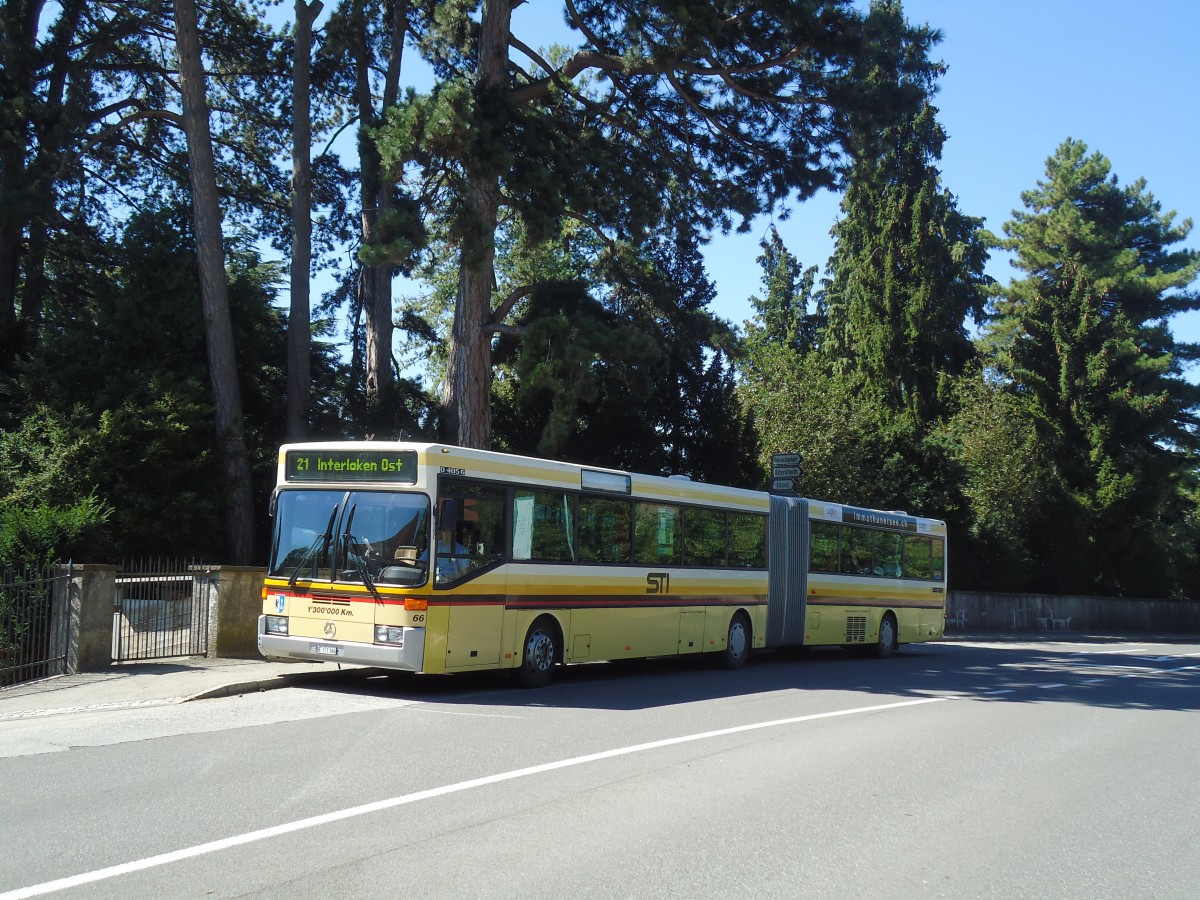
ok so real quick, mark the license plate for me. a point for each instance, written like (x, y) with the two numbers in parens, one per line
(323, 649)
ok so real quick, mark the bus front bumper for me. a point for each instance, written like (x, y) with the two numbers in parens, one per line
(407, 656)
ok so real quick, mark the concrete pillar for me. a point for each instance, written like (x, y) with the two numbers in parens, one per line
(234, 596)
(92, 592)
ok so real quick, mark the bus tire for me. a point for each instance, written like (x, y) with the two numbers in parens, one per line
(889, 637)
(540, 653)
(737, 643)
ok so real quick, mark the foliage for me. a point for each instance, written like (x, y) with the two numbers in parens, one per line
(853, 451)
(735, 113)
(791, 313)
(908, 266)
(555, 202)
(32, 536)
(46, 514)
(140, 438)
(1083, 345)
(622, 363)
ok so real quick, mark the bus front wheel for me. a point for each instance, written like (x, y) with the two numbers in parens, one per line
(541, 652)
(889, 637)
(737, 644)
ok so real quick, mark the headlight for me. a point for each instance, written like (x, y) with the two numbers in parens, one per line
(277, 625)
(389, 634)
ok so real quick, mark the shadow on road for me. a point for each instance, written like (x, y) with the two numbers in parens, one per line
(1102, 672)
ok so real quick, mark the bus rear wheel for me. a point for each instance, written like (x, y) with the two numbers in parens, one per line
(737, 644)
(889, 637)
(541, 652)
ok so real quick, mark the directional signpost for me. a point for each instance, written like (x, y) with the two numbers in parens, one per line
(785, 469)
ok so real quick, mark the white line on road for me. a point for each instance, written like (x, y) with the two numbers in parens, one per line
(91, 707)
(250, 837)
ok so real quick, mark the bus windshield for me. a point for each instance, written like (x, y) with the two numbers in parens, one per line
(371, 536)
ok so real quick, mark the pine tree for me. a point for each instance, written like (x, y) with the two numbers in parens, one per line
(1083, 340)
(744, 108)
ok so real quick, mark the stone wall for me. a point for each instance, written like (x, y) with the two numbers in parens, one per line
(981, 611)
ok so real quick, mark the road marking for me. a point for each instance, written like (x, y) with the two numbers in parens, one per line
(250, 837)
(91, 707)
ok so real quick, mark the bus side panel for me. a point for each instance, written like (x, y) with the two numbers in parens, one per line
(475, 625)
(787, 568)
(437, 628)
(629, 632)
(847, 610)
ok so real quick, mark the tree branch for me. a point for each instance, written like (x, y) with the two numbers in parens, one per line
(502, 311)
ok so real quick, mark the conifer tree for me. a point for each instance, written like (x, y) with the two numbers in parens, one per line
(907, 268)
(743, 105)
(782, 314)
(1083, 341)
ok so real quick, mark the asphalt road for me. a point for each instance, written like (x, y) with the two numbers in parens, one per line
(956, 770)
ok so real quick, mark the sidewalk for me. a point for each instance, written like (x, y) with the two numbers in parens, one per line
(160, 682)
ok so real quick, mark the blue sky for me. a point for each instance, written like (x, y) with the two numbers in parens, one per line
(1023, 76)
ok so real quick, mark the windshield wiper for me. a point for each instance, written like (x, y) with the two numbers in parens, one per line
(347, 541)
(319, 547)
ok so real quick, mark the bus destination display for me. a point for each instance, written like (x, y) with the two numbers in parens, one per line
(398, 466)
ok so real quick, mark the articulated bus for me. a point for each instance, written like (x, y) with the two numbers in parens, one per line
(439, 559)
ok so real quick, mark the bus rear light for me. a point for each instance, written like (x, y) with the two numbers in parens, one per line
(415, 604)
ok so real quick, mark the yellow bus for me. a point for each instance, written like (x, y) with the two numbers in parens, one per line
(438, 559)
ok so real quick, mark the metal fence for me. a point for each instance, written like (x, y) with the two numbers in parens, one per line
(34, 618)
(160, 610)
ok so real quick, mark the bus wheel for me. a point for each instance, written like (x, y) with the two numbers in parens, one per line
(541, 650)
(737, 647)
(889, 640)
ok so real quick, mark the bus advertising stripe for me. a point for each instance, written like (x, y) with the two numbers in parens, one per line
(554, 601)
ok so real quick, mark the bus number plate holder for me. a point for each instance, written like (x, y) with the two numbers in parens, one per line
(323, 649)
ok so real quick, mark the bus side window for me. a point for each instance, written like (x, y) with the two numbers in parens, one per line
(657, 535)
(823, 547)
(887, 554)
(917, 557)
(856, 551)
(703, 537)
(747, 541)
(470, 529)
(604, 527)
(543, 525)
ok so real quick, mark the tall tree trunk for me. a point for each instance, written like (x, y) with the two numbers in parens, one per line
(467, 397)
(214, 288)
(376, 285)
(299, 372)
(19, 61)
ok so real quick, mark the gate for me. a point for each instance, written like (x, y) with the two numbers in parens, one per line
(34, 619)
(160, 610)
